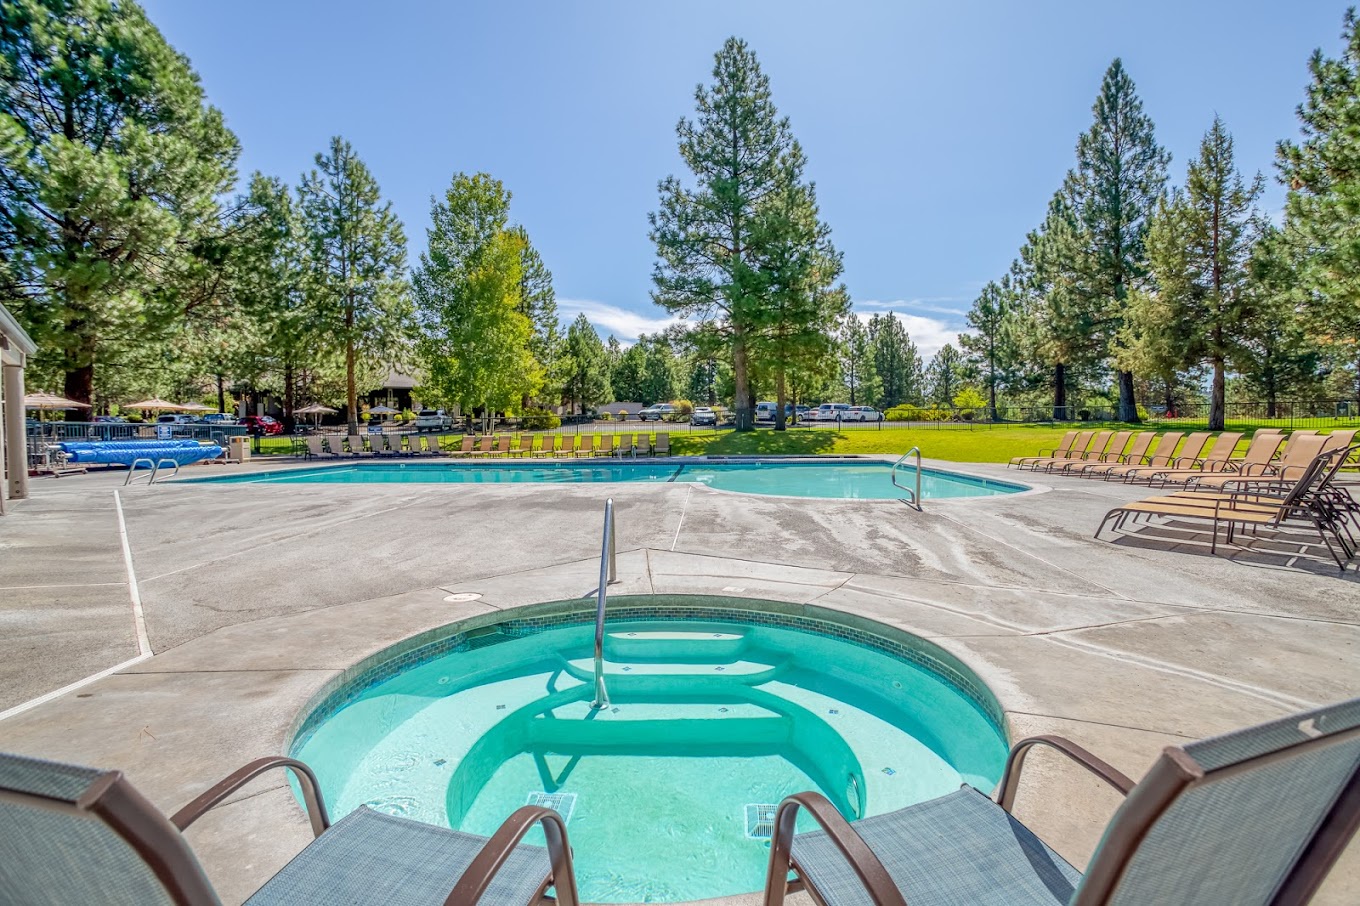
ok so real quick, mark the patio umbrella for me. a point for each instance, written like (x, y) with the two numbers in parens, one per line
(45, 401)
(383, 410)
(154, 403)
(198, 407)
(316, 409)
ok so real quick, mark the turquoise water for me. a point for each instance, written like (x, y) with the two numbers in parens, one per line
(860, 480)
(705, 719)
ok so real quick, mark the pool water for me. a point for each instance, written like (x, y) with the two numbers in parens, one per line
(869, 480)
(707, 721)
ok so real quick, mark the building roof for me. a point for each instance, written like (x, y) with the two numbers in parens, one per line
(398, 381)
(13, 337)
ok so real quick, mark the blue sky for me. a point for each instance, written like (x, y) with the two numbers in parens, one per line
(936, 132)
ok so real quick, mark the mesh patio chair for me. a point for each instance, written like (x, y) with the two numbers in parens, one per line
(1060, 450)
(82, 835)
(1257, 816)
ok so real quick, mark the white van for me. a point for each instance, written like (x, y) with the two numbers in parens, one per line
(830, 412)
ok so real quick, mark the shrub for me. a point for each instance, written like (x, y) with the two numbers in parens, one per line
(903, 413)
(540, 420)
(684, 407)
(1143, 414)
(601, 416)
(1084, 414)
(621, 415)
(969, 398)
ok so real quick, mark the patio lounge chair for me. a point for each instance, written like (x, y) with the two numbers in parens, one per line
(484, 445)
(1267, 504)
(624, 446)
(381, 445)
(1220, 453)
(1114, 452)
(1299, 451)
(82, 835)
(356, 446)
(1075, 451)
(1136, 452)
(587, 445)
(464, 449)
(523, 445)
(314, 450)
(663, 445)
(502, 446)
(546, 446)
(1250, 818)
(1099, 443)
(1060, 450)
(642, 446)
(1162, 455)
(1184, 457)
(568, 447)
(1260, 451)
(606, 447)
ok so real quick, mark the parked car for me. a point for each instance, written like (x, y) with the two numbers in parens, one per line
(703, 415)
(433, 420)
(110, 420)
(219, 418)
(861, 414)
(830, 412)
(260, 425)
(657, 413)
(174, 419)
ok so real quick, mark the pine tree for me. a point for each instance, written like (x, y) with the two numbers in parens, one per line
(1120, 174)
(896, 362)
(357, 262)
(990, 348)
(1323, 179)
(112, 165)
(706, 237)
(538, 303)
(945, 375)
(476, 332)
(857, 363)
(587, 366)
(1199, 247)
(1278, 355)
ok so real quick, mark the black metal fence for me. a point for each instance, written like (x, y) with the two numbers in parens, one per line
(1284, 414)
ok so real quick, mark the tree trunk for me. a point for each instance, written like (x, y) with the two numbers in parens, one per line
(79, 386)
(351, 391)
(780, 394)
(991, 391)
(1060, 392)
(1217, 397)
(1128, 409)
(289, 395)
(221, 393)
(1169, 396)
(741, 398)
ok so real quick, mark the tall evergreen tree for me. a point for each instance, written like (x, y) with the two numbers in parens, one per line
(1199, 248)
(990, 348)
(1278, 355)
(857, 363)
(896, 361)
(1323, 178)
(587, 366)
(538, 303)
(112, 165)
(476, 334)
(945, 375)
(1120, 174)
(707, 236)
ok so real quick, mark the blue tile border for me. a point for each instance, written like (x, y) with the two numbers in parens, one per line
(473, 634)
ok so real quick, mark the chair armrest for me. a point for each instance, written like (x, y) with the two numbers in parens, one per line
(482, 870)
(311, 792)
(875, 878)
(1010, 780)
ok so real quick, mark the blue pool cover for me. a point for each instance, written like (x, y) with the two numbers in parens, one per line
(123, 452)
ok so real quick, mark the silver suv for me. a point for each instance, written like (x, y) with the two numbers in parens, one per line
(658, 412)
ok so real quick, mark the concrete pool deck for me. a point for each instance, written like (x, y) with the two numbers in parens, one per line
(255, 596)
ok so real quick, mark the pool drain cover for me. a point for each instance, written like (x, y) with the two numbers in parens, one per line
(461, 597)
(760, 820)
(562, 803)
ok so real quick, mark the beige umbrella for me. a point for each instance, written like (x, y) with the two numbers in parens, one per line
(51, 401)
(154, 403)
(198, 407)
(316, 409)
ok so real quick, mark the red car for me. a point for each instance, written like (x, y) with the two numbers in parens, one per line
(261, 424)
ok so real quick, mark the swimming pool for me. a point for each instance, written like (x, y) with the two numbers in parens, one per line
(718, 708)
(837, 478)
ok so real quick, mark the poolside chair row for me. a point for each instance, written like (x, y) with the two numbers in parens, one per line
(1174, 458)
(390, 445)
(1253, 817)
(1302, 490)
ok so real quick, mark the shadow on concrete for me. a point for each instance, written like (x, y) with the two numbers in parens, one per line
(1269, 549)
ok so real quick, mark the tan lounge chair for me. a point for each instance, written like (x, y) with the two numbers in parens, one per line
(587, 445)
(524, 444)
(1134, 454)
(606, 445)
(1214, 461)
(1185, 457)
(356, 446)
(502, 446)
(82, 835)
(382, 445)
(314, 450)
(548, 443)
(1075, 451)
(1260, 451)
(1061, 449)
(1254, 817)
(1162, 455)
(1090, 454)
(484, 445)
(642, 446)
(625, 446)
(465, 449)
(1114, 452)
(568, 447)
(1299, 451)
(663, 445)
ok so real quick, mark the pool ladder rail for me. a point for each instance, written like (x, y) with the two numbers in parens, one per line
(609, 575)
(914, 492)
(154, 465)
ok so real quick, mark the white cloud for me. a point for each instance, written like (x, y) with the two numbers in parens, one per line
(929, 334)
(611, 319)
(945, 305)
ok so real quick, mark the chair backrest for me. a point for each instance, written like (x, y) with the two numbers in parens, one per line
(1098, 445)
(549, 441)
(485, 445)
(1078, 446)
(525, 443)
(568, 443)
(606, 443)
(1257, 816)
(356, 444)
(314, 445)
(1117, 444)
(625, 443)
(1342, 438)
(503, 444)
(468, 441)
(1166, 448)
(587, 444)
(1139, 447)
(1300, 450)
(80, 835)
(663, 443)
(1065, 444)
(1223, 447)
(1262, 448)
(1193, 446)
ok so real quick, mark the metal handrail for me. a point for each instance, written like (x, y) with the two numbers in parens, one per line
(916, 493)
(155, 465)
(609, 574)
(157, 469)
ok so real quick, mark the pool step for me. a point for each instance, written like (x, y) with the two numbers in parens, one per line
(701, 644)
(744, 672)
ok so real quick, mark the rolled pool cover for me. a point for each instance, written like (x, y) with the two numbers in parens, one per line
(123, 452)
